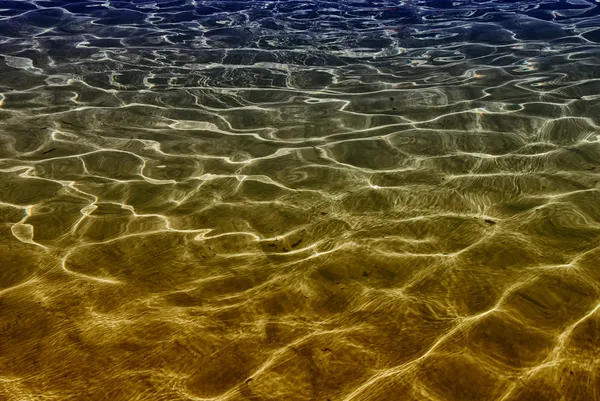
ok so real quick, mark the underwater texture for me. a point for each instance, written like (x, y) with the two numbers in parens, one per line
(299, 200)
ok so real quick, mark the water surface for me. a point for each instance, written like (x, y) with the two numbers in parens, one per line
(299, 200)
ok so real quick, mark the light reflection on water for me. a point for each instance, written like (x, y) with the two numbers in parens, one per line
(306, 200)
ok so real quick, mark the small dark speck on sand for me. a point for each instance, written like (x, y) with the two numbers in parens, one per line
(49, 150)
(295, 244)
(392, 99)
(327, 350)
(365, 274)
(492, 222)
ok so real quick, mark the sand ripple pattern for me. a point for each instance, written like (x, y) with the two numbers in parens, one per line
(299, 200)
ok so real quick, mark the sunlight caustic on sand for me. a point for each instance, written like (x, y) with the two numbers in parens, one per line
(300, 200)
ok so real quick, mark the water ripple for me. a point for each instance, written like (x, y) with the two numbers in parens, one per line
(307, 200)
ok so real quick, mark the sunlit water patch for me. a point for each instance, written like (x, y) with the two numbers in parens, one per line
(302, 200)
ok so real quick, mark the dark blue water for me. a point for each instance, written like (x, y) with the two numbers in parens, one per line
(299, 200)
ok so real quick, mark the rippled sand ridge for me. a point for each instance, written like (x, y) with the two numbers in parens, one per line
(300, 200)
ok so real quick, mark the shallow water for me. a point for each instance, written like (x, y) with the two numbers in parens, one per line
(300, 200)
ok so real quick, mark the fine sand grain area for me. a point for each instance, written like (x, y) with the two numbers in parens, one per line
(299, 200)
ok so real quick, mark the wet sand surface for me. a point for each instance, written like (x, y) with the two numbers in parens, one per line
(299, 200)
